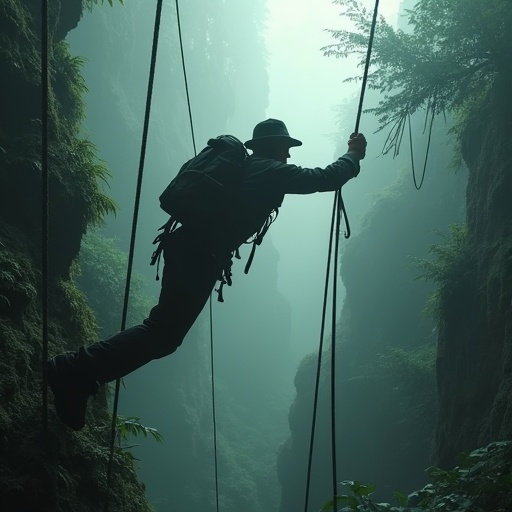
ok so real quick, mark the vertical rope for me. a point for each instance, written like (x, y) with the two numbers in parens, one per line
(367, 65)
(214, 414)
(338, 212)
(319, 360)
(185, 76)
(339, 203)
(149, 96)
(45, 209)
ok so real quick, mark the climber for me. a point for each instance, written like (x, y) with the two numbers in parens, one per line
(193, 262)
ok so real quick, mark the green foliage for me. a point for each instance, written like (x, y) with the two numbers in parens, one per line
(80, 314)
(449, 268)
(413, 375)
(18, 43)
(90, 3)
(131, 426)
(16, 279)
(102, 277)
(85, 172)
(358, 499)
(481, 483)
(453, 53)
(69, 85)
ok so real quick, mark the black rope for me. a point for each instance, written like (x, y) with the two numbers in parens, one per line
(367, 65)
(185, 77)
(339, 203)
(337, 213)
(154, 49)
(45, 208)
(319, 360)
(214, 414)
(433, 112)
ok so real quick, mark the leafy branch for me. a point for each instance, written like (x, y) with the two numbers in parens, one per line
(131, 426)
(480, 483)
(454, 51)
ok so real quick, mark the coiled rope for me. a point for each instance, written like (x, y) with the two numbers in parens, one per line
(432, 107)
(337, 212)
(156, 32)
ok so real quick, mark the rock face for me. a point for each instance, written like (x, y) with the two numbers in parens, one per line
(43, 465)
(475, 343)
(385, 408)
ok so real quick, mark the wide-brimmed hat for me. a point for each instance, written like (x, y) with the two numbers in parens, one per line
(271, 129)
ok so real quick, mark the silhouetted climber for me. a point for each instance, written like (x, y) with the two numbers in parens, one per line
(194, 261)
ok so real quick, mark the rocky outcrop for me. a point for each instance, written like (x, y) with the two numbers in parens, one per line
(43, 465)
(386, 351)
(475, 343)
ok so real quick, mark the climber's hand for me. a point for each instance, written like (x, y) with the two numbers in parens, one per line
(357, 143)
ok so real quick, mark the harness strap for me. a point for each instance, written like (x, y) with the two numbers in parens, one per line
(259, 237)
(225, 278)
(251, 257)
(226, 274)
(167, 228)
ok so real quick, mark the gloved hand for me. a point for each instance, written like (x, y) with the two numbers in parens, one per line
(357, 143)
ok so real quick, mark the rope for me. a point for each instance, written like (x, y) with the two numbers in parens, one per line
(45, 208)
(214, 414)
(154, 49)
(367, 65)
(319, 360)
(337, 213)
(433, 110)
(185, 77)
(333, 347)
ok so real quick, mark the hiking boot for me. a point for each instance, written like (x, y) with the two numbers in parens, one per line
(71, 390)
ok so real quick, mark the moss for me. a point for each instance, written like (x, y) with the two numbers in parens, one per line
(102, 276)
(76, 174)
(51, 469)
(18, 43)
(63, 470)
(450, 269)
(16, 277)
(69, 86)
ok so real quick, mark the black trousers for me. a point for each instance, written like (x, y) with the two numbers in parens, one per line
(189, 275)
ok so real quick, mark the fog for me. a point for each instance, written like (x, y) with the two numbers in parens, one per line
(271, 318)
(306, 90)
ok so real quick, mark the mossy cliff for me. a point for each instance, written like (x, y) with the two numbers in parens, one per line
(59, 470)
(474, 367)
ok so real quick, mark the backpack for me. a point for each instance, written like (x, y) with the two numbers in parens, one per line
(205, 189)
(205, 193)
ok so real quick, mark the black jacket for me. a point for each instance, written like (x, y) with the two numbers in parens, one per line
(265, 182)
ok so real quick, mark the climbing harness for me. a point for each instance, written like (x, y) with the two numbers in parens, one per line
(337, 212)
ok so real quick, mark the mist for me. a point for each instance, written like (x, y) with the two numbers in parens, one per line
(247, 62)
(395, 391)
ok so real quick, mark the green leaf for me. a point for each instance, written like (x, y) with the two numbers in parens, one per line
(363, 489)
(401, 498)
